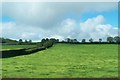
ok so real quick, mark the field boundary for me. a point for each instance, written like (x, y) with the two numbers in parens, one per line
(13, 53)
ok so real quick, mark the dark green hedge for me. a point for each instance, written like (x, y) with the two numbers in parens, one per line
(39, 47)
(48, 44)
(13, 53)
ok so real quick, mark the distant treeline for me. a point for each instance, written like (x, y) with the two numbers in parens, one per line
(109, 40)
(46, 41)
(15, 42)
(112, 40)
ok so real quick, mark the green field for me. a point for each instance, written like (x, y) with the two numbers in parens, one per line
(65, 60)
(9, 47)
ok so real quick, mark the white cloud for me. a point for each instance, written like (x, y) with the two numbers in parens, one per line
(96, 28)
(40, 20)
(49, 14)
(67, 26)
(92, 28)
(57, 37)
(27, 35)
(11, 30)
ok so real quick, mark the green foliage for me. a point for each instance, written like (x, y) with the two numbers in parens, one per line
(75, 40)
(117, 39)
(68, 40)
(8, 41)
(30, 41)
(39, 44)
(20, 41)
(83, 40)
(54, 40)
(91, 40)
(43, 41)
(15, 42)
(21, 51)
(26, 41)
(65, 60)
(48, 44)
(71, 40)
(110, 39)
(100, 40)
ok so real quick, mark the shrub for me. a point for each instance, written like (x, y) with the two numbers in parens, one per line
(40, 44)
(48, 44)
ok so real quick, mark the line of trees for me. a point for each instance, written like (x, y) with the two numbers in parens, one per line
(10, 41)
(46, 41)
(115, 39)
(49, 42)
(24, 42)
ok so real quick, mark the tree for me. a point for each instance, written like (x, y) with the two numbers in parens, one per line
(2, 40)
(68, 39)
(43, 41)
(100, 40)
(75, 40)
(47, 39)
(83, 40)
(57, 40)
(91, 40)
(110, 39)
(30, 41)
(71, 40)
(20, 41)
(26, 41)
(53, 40)
(117, 39)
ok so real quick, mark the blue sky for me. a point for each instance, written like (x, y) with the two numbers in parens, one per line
(59, 20)
(7, 19)
(111, 17)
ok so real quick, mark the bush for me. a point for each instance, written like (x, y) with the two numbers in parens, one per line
(48, 44)
(35, 49)
(39, 44)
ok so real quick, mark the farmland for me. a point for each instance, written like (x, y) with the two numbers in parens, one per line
(10, 47)
(65, 60)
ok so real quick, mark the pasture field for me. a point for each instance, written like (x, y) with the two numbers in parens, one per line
(65, 61)
(9, 47)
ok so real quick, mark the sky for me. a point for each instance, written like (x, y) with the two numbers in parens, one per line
(61, 20)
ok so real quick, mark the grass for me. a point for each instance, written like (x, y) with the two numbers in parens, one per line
(9, 47)
(65, 61)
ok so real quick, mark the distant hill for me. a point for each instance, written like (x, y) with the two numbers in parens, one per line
(8, 41)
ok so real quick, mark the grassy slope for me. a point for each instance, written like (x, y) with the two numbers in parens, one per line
(65, 60)
(7, 47)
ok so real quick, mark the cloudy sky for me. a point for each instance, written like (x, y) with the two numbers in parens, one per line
(37, 20)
